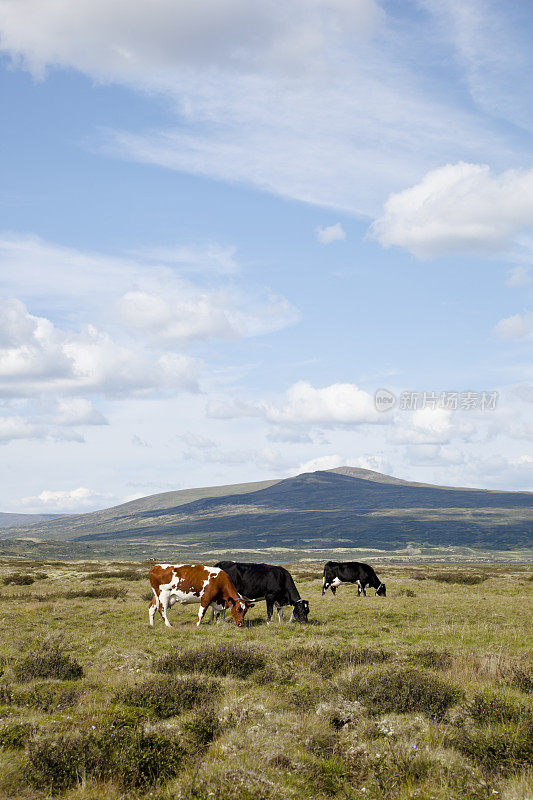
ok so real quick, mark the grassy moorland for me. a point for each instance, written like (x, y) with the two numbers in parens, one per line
(425, 694)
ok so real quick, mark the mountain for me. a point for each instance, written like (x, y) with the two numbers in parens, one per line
(13, 520)
(325, 511)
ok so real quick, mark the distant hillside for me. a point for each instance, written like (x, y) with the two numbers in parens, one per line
(13, 520)
(345, 508)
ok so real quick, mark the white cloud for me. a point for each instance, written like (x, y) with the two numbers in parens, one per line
(429, 426)
(68, 500)
(517, 326)
(324, 101)
(12, 428)
(457, 208)
(78, 411)
(331, 233)
(36, 356)
(196, 440)
(330, 406)
(519, 276)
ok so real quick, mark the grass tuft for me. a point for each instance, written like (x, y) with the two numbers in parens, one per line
(221, 659)
(401, 690)
(432, 659)
(49, 662)
(128, 755)
(18, 579)
(14, 735)
(168, 696)
(497, 747)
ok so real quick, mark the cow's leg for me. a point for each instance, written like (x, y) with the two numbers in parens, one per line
(163, 607)
(152, 611)
(325, 585)
(363, 588)
(280, 612)
(221, 616)
(359, 588)
(270, 610)
(201, 613)
(291, 618)
(333, 590)
(212, 616)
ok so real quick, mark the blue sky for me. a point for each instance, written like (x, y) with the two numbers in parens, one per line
(226, 225)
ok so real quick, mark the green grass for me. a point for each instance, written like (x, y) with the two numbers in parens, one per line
(424, 697)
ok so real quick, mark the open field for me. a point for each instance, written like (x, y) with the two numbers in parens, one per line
(426, 693)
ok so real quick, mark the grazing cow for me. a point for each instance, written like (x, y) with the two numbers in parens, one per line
(194, 583)
(266, 582)
(337, 572)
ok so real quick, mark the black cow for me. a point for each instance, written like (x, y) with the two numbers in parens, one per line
(337, 572)
(270, 583)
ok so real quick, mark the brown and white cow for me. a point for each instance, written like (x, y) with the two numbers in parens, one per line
(194, 583)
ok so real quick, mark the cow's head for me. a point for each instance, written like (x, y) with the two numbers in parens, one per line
(301, 610)
(238, 609)
(381, 590)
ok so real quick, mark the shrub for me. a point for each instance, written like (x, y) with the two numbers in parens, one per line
(221, 659)
(14, 735)
(406, 593)
(49, 697)
(432, 659)
(123, 574)
(113, 592)
(491, 706)
(402, 691)
(497, 748)
(169, 696)
(50, 662)
(202, 728)
(329, 660)
(147, 595)
(18, 579)
(522, 679)
(466, 578)
(128, 755)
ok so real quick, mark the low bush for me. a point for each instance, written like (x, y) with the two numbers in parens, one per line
(327, 661)
(403, 690)
(127, 755)
(49, 697)
(522, 679)
(123, 574)
(406, 593)
(49, 662)
(18, 579)
(466, 578)
(222, 659)
(113, 592)
(497, 747)
(168, 696)
(14, 735)
(147, 595)
(490, 706)
(432, 659)
(202, 728)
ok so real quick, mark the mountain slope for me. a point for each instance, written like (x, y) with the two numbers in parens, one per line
(346, 507)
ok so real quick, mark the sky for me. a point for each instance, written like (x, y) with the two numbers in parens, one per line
(226, 225)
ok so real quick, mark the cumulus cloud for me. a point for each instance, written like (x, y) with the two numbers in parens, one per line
(458, 208)
(429, 426)
(78, 411)
(330, 406)
(68, 500)
(36, 356)
(517, 326)
(331, 233)
(16, 427)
